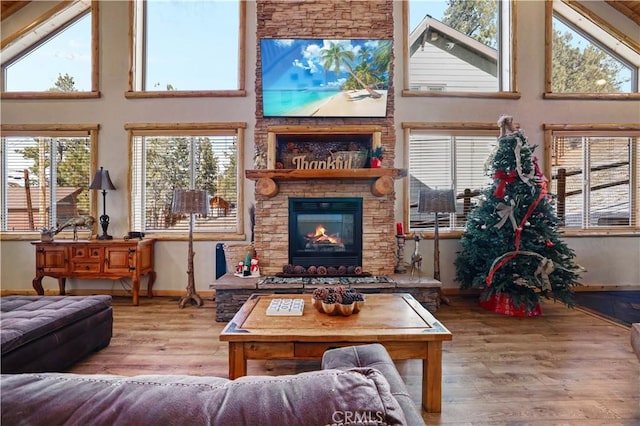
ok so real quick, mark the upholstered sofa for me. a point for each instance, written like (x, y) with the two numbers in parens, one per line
(635, 338)
(51, 333)
(356, 385)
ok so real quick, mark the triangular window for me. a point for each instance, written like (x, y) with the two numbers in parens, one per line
(54, 57)
(589, 56)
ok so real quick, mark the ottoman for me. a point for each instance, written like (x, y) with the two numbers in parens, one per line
(51, 333)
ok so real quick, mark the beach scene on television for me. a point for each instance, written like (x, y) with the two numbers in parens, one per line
(325, 78)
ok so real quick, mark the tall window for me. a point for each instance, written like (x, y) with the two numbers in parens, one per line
(55, 58)
(595, 177)
(45, 176)
(447, 159)
(185, 158)
(458, 46)
(184, 47)
(587, 55)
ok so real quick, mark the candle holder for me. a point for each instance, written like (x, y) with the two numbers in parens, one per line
(400, 268)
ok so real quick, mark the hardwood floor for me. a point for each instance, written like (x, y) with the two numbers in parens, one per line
(566, 367)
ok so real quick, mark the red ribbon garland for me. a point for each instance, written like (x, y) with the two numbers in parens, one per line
(504, 178)
(532, 207)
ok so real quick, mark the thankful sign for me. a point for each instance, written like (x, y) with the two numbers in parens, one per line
(332, 162)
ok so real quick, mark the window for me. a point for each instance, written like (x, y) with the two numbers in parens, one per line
(203, 157)
(54, 59)
(46, 174)
(447, 157)
(459, 48)
(587, 57)
(187, 48)
(594, 174)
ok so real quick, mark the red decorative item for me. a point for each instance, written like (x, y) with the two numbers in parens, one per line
(504, 179)
(376, 163)
(549, 243)
(503, 304)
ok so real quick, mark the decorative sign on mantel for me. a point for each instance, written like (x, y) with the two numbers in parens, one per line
(321, 147)
(335, 160)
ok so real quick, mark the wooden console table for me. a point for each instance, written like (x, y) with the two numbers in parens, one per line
(98, 259)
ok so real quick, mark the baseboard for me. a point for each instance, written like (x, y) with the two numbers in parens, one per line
(607, 288)
(474, 291)
(208, 294)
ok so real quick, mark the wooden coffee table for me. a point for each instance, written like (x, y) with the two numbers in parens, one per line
(397, 321)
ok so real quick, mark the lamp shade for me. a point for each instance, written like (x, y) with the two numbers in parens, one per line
(101, 180)
(190, 201)
(437, 201)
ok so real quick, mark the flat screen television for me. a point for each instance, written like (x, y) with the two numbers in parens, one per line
(325, 78)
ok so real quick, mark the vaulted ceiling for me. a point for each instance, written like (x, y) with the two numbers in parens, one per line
(630, 9)
(10, 7)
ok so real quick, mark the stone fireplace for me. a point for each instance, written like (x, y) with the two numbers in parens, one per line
(278, 190)
(276, 186)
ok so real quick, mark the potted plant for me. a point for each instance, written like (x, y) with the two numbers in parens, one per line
(376, 157)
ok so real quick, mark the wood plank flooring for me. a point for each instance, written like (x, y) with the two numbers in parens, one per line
(567, 367)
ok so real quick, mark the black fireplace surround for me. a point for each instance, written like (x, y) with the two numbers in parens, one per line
(325, 232)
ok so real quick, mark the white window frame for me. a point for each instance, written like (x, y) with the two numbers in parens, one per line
(451, 130)
(623, 130)
(507, 75)
(48, 25)
(136, 176)
(610, 38)
(137, 59)
(47, 131)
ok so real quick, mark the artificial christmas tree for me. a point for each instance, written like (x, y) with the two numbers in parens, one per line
(511, 247)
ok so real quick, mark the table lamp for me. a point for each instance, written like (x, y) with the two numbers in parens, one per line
(436, 201)
(101, 180)
(190, 202)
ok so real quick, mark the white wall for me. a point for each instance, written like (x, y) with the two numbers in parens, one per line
(610, 261)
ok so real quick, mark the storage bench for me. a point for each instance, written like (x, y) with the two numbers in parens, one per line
(51, 333)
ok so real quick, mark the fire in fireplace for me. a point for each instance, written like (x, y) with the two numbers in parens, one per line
(325, 232)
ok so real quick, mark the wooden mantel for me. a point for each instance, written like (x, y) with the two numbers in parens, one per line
(266, 179)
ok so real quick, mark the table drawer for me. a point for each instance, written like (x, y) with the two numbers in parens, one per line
(263, 350)
(86, 267)
(80, 252)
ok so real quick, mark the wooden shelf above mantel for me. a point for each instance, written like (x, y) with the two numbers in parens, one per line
(299, 174)
(266, 179)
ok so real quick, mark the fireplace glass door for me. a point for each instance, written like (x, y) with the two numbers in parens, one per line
(325, 231)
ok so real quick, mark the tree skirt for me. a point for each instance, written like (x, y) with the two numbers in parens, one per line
(502, 304)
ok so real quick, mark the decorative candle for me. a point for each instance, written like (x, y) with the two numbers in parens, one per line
(399, 230)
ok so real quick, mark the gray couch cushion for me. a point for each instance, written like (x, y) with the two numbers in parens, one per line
(315, 398)
(24, 319)
(375, 356)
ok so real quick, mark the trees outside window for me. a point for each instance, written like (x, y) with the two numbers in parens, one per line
(165, 160)
(447, 159)
(582, 66)
(46, 173)
(184, 47)
(61, 42)
(459, 46)
(587, 57)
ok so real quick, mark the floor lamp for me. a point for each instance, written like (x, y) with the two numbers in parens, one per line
(437, 201)
(190, 202)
